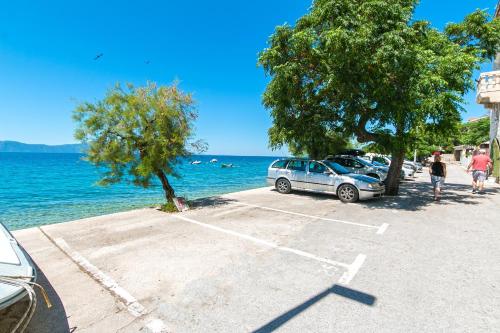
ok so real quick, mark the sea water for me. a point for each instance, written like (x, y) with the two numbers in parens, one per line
(38, 189)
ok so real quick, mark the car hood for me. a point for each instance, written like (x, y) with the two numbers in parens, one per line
(363, 178)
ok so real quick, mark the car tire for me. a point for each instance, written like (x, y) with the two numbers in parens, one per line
(283, 186)
(348, 193)
(374, 175)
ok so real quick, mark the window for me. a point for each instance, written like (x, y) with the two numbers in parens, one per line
(316, 167)
(279, 164)
(357, 164)
(297, 165)
(380, 160)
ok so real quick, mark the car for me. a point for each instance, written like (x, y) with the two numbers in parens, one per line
(406, 170)
(360, 166)
(322, 176)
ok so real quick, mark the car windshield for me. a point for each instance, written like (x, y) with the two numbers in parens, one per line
(337, 168)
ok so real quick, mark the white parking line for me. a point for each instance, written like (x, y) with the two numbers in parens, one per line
(131, 303)
(353, 269)
(381, 228)
(133, 306)
(262, 242)
(227, 212)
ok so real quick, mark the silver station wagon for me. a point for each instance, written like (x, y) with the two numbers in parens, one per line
(322, 176)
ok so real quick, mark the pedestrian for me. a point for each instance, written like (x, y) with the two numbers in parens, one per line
(480, 163)
(437, 170)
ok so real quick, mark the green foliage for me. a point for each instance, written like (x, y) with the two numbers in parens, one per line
(366, 68)
(317, 145)
(136, 134)
(475, 133)
(169, 207)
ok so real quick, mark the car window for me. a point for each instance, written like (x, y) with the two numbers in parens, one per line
(297, 165)
(340, 161)
(379, 159)
(347, 162)
(357, 164)
(340, 170)
(316, 167)
(280, 164)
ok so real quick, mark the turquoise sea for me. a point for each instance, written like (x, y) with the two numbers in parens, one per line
(38, 189)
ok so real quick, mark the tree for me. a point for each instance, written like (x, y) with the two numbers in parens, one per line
(366, 67)
(476, 132)
(136, 134)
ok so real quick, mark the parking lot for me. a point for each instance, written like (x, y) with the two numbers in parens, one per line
(259, 261)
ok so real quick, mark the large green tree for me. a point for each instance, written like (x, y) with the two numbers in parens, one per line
(366, 67)
(138, 134)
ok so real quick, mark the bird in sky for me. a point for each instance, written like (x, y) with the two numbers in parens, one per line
(147, 62)
(98, 56)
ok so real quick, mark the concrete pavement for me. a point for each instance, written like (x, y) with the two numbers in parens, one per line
(261, 261)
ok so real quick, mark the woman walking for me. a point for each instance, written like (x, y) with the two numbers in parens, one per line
(437, 170)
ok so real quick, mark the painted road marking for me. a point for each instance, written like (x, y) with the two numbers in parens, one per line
(352, 269)
(133, 306)
(262, 242)
(234, 210)
(131, 303)
(381, 228)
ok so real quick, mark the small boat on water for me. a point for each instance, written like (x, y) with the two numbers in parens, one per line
(226, 165)
(196, 162)
(17, 274)
(214, 160)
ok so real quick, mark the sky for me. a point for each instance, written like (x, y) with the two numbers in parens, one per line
(47, 65)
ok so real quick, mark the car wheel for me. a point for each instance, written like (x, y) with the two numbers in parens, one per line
(374, 175)
(283, 186)
(348, 193)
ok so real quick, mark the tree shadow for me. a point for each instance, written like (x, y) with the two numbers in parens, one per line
(45, 320)
(210, 202)
(336, 289)
(414, 196)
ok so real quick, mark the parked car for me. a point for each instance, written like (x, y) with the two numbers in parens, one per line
(322, 176)
(406, 171)
(360, 166)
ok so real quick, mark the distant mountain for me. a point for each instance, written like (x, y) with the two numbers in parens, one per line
(19, 147)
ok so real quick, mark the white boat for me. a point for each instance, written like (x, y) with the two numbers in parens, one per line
(17, 275)
(214, 160)
(196, 162)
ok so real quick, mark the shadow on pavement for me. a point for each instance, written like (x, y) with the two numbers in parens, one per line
(210, 202)
(414, 196)
(44, 320)
(336, 289)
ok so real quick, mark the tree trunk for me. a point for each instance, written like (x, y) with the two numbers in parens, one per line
(167, 188)
(392, 183)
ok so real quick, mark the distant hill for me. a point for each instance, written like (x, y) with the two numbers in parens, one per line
(19, 147)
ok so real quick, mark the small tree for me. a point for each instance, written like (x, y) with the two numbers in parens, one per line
(136, 134)
(367, 68)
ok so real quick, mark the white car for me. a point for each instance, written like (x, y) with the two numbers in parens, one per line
(406, 170)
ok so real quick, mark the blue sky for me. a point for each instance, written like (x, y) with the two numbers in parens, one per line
(47, 67)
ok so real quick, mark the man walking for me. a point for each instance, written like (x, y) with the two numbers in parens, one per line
(479, 165)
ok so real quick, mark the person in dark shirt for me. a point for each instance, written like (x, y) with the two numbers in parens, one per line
(437, 170)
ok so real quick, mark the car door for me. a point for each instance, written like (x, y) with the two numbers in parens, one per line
(297, 173)
(319, 177)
